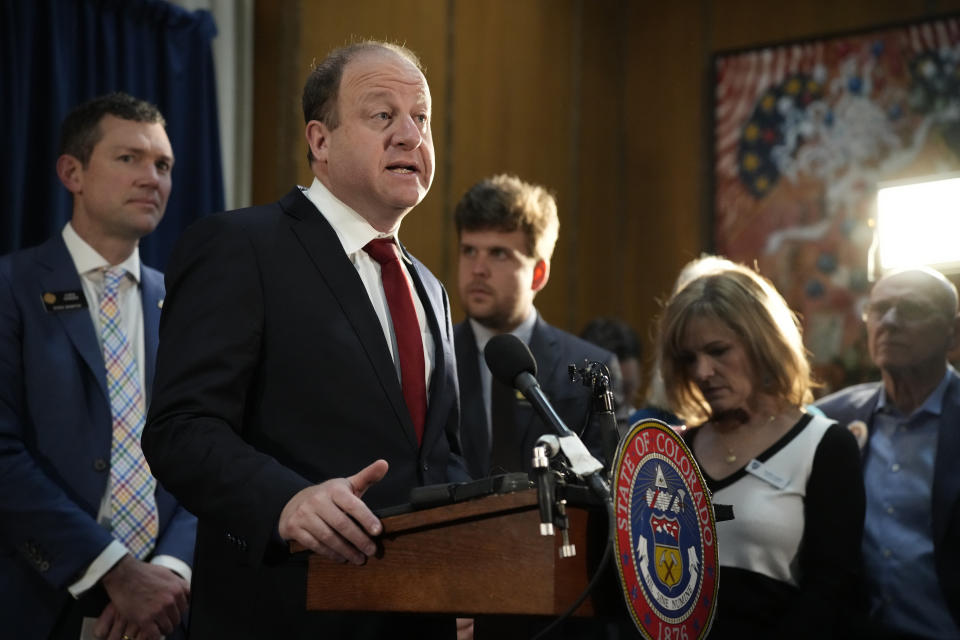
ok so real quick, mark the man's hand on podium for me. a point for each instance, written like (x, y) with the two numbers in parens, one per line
(331, 519)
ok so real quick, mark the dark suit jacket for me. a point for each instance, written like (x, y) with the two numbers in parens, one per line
(859, 403)
(553, 350)
(273, 375)
(55, 438)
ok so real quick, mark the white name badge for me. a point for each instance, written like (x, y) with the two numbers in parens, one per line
(760, 470)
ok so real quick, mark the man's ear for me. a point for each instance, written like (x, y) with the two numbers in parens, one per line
(70, 172)
(954, 335)
(317, 139)
(541, 273)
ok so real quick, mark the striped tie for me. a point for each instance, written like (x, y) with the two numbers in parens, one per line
(133, 507)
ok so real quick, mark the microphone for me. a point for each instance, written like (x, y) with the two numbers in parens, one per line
(511, 362)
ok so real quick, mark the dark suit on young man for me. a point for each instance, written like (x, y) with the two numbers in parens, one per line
(274, 375)
(553, 350)
(859, 403)
(55, 439)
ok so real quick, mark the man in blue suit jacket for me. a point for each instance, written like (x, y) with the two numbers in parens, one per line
(909, 428)
(507, 230)
(59, 563)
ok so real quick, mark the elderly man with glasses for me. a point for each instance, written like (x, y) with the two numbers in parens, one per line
(911, 543)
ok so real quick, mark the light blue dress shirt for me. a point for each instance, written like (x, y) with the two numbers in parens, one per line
(898, 533)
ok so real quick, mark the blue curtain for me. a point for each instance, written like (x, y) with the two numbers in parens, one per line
(55, 54)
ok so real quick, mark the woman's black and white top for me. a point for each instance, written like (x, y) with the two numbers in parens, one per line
(790, 558)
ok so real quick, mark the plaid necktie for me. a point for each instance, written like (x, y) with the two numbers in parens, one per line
(133, 507)
(406, 327)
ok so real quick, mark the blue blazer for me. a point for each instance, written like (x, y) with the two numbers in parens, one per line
(55, 437)
(859, 403)
(553, 350)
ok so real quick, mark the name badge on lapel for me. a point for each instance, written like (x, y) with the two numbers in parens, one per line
(56, 301)
(760, 470)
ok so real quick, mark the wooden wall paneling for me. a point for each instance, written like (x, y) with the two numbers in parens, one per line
(512, 98)
(602, 247)
(663, 102)
(751, 23)
(276, 104)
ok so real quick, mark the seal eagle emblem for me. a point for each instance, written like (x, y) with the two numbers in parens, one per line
(666, 535)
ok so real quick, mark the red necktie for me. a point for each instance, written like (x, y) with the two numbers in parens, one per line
(406, 327)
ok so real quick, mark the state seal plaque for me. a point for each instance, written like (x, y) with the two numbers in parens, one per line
(666, 536)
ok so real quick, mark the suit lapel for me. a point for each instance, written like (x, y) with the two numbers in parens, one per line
(473, 412)
(865, 413)
(946, 481)
(62, 276)
(323, 246)
(151, 297)
(433, 307)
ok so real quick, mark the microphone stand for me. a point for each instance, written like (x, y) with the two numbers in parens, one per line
(551, 487)
(596, 376)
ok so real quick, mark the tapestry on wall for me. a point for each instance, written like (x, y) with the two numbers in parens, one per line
(803, 134)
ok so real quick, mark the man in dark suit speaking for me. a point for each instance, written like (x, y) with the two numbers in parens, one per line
(306, 362)
(507, 230)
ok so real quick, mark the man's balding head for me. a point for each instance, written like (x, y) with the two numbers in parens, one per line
(322, 89)
(911, 321)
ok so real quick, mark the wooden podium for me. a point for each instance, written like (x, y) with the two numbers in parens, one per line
(480, 557)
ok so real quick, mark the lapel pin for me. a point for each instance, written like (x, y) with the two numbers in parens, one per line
(859, 430)
(160, 303)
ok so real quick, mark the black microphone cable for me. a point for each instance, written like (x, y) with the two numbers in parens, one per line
(595, 580)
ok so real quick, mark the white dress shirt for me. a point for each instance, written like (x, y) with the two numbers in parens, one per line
(354, 233)
(90, 265)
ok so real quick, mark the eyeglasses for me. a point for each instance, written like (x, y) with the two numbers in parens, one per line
(907, 311)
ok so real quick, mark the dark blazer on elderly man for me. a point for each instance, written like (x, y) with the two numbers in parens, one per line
(859, 403)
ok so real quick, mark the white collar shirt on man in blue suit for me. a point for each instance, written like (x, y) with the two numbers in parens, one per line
(55, 440)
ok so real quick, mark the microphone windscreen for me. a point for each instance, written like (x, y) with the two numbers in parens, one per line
(507, 357)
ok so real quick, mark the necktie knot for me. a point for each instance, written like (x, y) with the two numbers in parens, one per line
(112, 277)
(383, 250)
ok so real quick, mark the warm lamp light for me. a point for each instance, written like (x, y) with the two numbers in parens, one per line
(918, 224)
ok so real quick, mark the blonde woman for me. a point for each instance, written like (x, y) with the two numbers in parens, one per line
(735, 370)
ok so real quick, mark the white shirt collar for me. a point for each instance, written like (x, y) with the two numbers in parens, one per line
(352, 228)
(86, 259)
